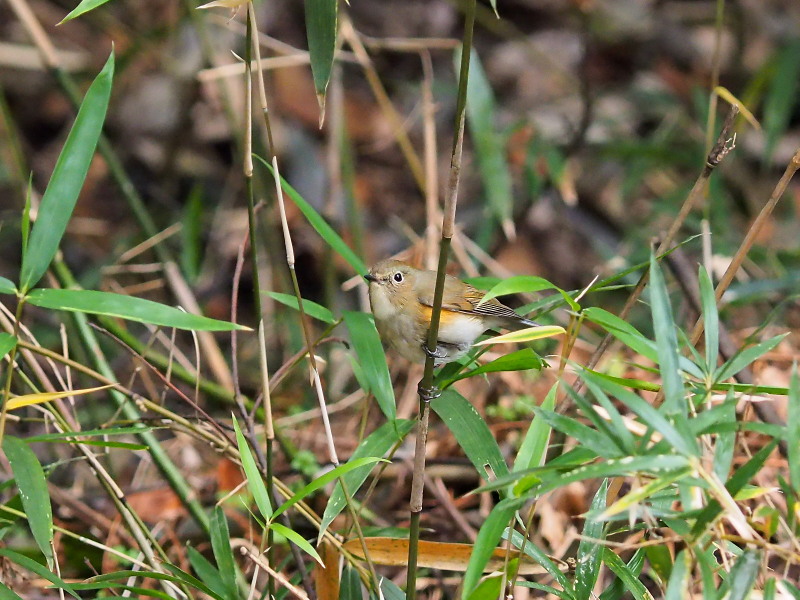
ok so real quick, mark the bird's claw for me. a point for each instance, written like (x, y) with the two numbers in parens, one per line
(438, 353)
(428, 393)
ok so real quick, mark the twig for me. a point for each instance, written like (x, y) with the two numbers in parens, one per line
(448, 227)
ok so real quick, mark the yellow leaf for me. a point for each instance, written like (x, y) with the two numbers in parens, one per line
(524, 335)
(726, 95)
(438, 555)
(28, 399)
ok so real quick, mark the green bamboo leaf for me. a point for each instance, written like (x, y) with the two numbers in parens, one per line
(710, 319)
(781, 97)
(666, 342)
(252, 473)
(600, 441)
(7, 342)
(297, 539)
(489, 588)
(623, 331)
(726, 441)
(207, 572)
(38, 568)
(678, 585)
(221, 546)
(643, 492)
(7, 286)
(521, 360)
(486, 542)
(324, 480)
(371, 356)
(471, 433)
(125, 307)
(610, 468)
(542, 558)
(628, 574)
(793, 430)
(746, 357)
(320, 225)
(177, 576)
(84, 7)
(321, 25)
(71, 435)
(350, 584)
(743, 575)
(32, 486)
(489, 146)
(378, 443)
(312, 309)
(598, 387)
(676, 433)
(590, 548)
(61, 194)
(8, 593)
(534, 447)
(519, 284)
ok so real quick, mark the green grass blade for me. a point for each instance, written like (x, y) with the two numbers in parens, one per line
(598, 441)
(32, 486)
(254, 480)
(743, 575)
(627, 573)
(793, 430)
(726, 441)
(297, 539)
(321, 25)
(371, 356)
(590, 547)
(746, 357)
(710, 319)
(678, 585)
(471, 433)
(312, 309)
(377, 444)
(221, 546)
(61, 194)
(623, 331)
(206, 572)
(8, 593)
(125, 307)
(486, 542)
(666, 342)
(82, 8)
(324, 480)
(38, 568)
(321, 226)
(534, 447)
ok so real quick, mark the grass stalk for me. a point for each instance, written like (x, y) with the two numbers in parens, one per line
(448, 227)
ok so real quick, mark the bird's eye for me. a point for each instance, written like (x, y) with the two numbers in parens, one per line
(398, 277)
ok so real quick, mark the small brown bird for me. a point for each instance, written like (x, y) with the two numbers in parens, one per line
(402, 296)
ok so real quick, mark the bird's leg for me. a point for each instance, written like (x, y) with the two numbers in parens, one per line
(439, 353)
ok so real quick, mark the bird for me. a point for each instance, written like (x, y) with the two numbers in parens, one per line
(401, 298)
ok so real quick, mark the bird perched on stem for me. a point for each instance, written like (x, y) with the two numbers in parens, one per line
(402, 299)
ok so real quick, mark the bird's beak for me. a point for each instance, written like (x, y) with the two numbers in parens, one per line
(371, 278)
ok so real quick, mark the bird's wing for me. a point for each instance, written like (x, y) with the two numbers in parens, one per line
(462, 297)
